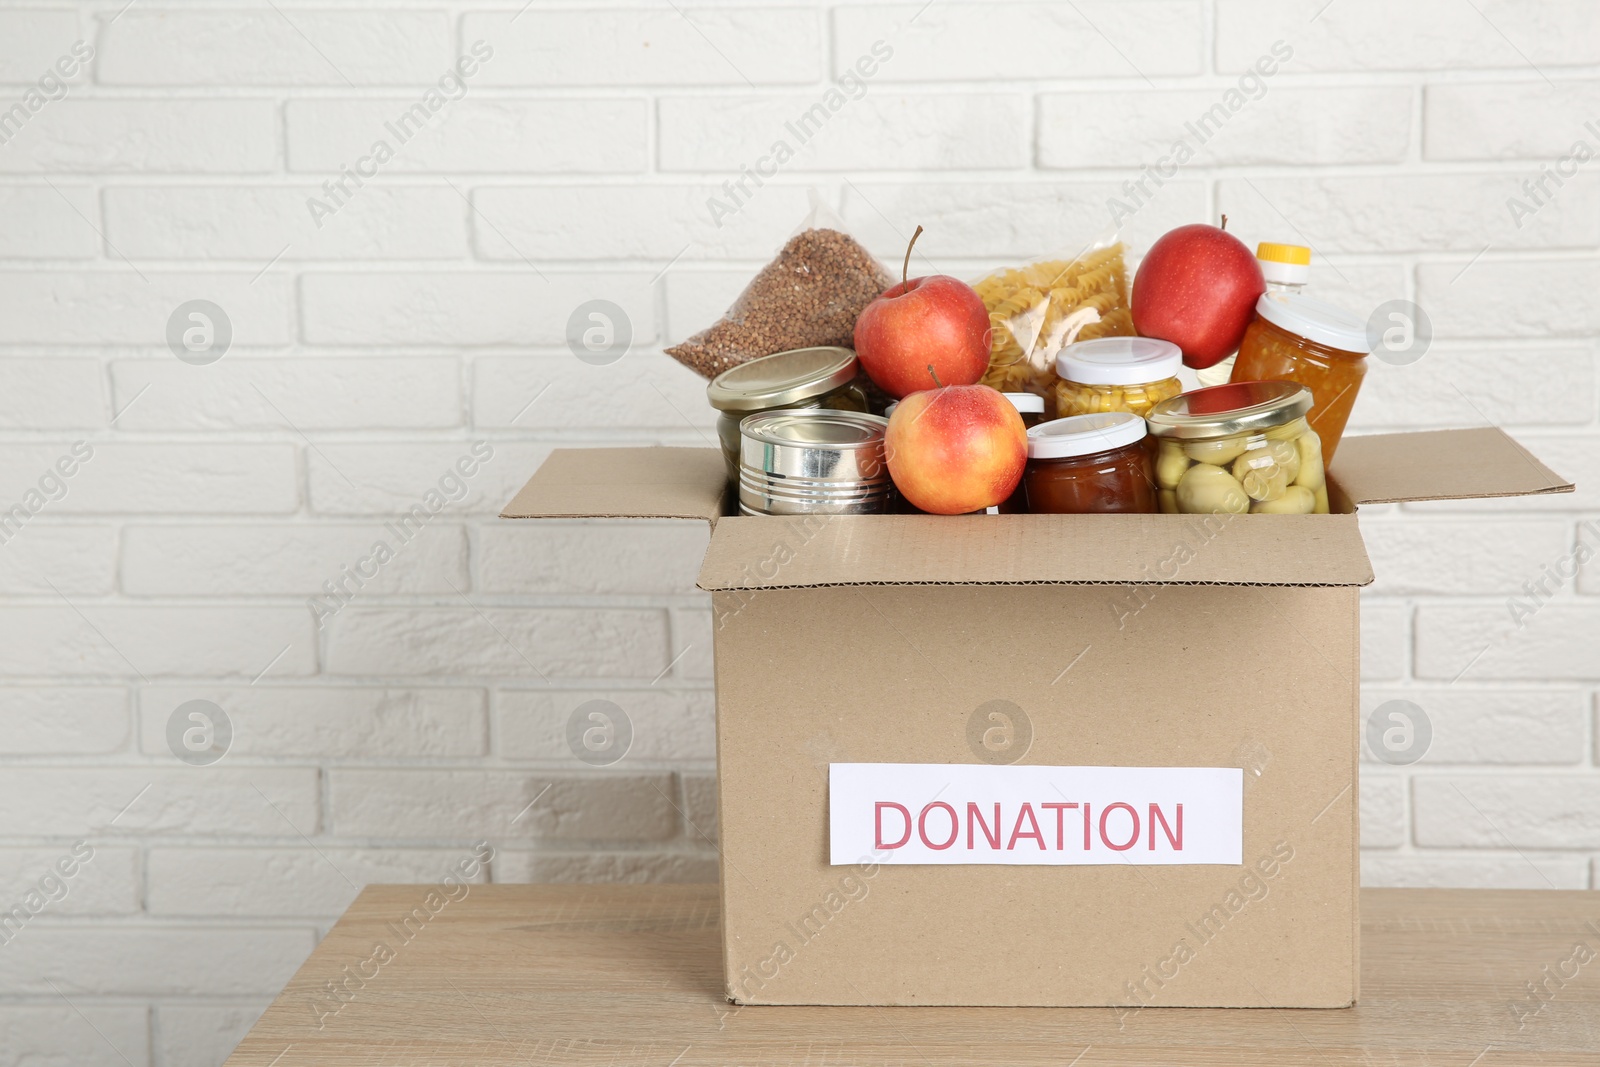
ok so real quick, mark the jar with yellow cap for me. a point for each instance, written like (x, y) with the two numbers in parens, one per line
(1287, 269)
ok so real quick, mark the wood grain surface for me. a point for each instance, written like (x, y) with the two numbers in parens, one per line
(529, 976)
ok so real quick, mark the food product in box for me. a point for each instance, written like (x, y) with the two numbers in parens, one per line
(1116, 374)
(1084, 464)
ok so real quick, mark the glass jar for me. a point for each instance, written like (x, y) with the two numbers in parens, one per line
(1301, 339)
(1285, 269)
(1238, 448)
(799, 378)
(1083, 464)
(1031, 407)
(1116, 374)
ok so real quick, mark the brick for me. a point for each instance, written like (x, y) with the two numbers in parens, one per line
(691, 644)
(499, 308)
(1414, 213)
(389, 479)
(1483, 871)
(1531, 120)
(274, 47)
(212, 801)
(1283, 126)
(286, 882)
(502, 805)
(256, 222)
(650, 46)
(1372, 35)
(1385, 640)
(118, 640)
(1007, 221)
(201, 1035)
(1527, 726)
(1588, 537)
(700, 808)
(1383, 810)
(104, 883)
(662, 222)
(204, 476)
(590, 557)
(1482, 642)
(1459, 388)
(63, 720)
(52, 393)
(472, 641)
(48, 1035)
(633, 867)
(667, 724)
(1510, 299)
(878, 129)
(290, 560)
(155, 961)
(47, 559)
(1003, 41)
(1412, 555)
(366, 723)
(491, 136)
(1560, 811)
(292, 394)
(1358, 285)
(641, 391)
(156, 136)
(46, 223)
(29, 43)
(119, 307)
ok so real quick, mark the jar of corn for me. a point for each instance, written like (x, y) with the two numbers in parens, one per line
(1116, 374)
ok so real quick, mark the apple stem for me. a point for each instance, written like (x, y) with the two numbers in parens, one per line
(1224, 224)
(905, 268)
(933, 373)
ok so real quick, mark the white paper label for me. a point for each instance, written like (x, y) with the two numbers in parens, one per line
(973, 813)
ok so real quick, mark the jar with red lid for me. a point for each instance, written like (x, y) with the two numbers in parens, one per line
(1083, 464)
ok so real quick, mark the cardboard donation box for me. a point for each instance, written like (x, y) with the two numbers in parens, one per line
(1038, 759)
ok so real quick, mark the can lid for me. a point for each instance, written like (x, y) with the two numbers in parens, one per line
(1025, 403)
(1238, 407)
(781, 379)
(1273, 252)
(1084, 435)
(1119, 361)
(1315, 320)
(818, 428)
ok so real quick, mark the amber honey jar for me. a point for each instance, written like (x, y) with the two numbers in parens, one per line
(1300, 339)
(1086, 464)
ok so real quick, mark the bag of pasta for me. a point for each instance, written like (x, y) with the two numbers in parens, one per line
(1039, 309)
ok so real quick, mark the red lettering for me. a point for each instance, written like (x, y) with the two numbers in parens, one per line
(993, 836)
(878, 817)
(1061, 830)
(1129, 843)
(955, 826)
(1016, 831)
(1155, 817)
(1088, 842)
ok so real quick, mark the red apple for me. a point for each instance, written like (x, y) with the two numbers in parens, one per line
(937, 322)
(1197, 287)
(956, 449)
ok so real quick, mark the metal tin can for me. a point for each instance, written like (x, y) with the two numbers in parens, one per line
(799, 378)
(813, 462)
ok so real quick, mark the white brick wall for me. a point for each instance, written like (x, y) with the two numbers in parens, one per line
(375, 347)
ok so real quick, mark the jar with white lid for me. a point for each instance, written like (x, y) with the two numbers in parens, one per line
(1089, 464)
(1116, 374)
(1298, 338)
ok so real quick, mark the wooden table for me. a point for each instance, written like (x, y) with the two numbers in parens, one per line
(529, 976)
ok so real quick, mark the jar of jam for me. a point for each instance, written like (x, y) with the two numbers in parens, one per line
(1285, 269)
(1244, 447)
(1093, 463)
(1299, 338)
(822, 377)
(1031, 407)
(1116, 374)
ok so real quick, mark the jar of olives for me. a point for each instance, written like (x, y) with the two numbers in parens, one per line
(1116, 374)
(823, 377)
(1089, 464)
(1244, 447)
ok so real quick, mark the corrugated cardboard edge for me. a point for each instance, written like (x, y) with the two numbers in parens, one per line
(1469, 464)
(624, 483)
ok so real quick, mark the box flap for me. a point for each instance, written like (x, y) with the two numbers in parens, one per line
(1440, 465)
(760, 552)
(624, 483)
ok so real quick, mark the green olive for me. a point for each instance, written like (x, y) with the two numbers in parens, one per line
(1220, 451)
(1311, 474)
(1296, 500)
(1206, 489)
(1170, 465)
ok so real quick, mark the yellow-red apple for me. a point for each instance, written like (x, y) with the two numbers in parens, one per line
(956, 449)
